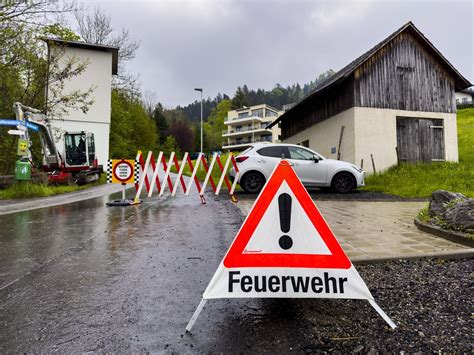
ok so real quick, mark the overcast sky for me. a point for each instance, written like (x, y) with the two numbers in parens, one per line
(221, 44)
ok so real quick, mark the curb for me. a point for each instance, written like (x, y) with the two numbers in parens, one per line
(457, 254)
(456, 237)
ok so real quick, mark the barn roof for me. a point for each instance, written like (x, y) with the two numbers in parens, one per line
(91, 46)
(460, 81)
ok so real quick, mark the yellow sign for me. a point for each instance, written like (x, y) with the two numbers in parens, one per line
(22, 147)
(122, 171)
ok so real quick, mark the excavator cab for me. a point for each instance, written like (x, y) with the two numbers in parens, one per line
(79, 149)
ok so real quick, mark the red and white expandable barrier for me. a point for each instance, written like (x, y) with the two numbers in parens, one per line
(161, 185)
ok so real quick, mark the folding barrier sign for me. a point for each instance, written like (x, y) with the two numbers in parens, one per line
(285, 249)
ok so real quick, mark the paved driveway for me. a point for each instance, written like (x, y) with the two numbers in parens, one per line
(373, 230)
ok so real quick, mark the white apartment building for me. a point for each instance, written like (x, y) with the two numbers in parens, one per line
(248, 125)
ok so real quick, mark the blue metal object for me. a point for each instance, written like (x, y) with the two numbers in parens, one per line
(32, 126)
(28, 125)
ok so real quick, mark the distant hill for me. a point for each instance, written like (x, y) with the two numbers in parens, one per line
(276, 97)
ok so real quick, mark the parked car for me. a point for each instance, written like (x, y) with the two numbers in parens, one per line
(258, 161)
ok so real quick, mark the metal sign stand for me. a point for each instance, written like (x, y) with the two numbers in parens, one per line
(123, 201)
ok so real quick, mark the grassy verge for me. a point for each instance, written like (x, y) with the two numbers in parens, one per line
(25, 189)
(420, 180)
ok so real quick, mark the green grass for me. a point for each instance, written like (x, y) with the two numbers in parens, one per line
(424, 215)
(420, 180)
(25, 189)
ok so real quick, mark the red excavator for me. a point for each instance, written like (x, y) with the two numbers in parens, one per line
(75, 162)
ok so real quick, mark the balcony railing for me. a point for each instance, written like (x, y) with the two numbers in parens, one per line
(245, 129)
(227, 119)
(246, 141)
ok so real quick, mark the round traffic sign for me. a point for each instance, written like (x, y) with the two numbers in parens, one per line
(123, 171)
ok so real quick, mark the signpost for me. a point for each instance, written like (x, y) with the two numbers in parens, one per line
(16, 132)
(122, 171)
(285, 249)
(26, 124)
(22, 149)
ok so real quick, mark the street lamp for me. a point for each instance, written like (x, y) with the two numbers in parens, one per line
(200, 90)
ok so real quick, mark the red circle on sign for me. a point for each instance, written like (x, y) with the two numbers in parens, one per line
(128, 177)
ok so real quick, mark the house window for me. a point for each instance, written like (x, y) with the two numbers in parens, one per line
(270, 113)
(238, 128)
(258, 112)
(243, 115)
(457, 101)
(464, 100)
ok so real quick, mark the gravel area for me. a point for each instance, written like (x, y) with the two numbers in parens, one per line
(429, 300)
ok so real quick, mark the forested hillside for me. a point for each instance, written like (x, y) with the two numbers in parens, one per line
(276, 97)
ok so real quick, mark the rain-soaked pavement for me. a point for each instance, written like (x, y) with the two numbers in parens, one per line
(85, 277)
(82, 277)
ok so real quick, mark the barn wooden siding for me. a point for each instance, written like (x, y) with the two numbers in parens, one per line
(404, 76)
(337, 99)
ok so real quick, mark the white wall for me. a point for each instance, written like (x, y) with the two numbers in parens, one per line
(376, 134)
(324, 137)
(98, 74)
(370, 131)
(460, 96)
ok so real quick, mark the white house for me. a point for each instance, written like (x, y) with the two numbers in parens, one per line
(464, 97)
(102, 63)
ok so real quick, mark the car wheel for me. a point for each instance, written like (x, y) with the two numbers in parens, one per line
(343, 183)
(252, 182)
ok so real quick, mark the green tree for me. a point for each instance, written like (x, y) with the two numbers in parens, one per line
(170, 146)
(25, 71)
(161, 123)
(240, 99)
(131, 128)
(215, 125)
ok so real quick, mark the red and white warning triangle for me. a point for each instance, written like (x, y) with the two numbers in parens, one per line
(285, 249)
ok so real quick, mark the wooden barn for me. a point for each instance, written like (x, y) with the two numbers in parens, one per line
(396, 102)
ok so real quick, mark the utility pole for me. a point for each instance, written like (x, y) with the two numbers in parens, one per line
(200, 90)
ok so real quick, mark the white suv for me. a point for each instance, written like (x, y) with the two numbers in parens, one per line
(257, 163)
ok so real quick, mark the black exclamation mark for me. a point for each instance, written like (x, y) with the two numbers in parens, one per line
(284, 206)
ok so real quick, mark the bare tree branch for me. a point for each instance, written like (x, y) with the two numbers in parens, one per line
(97, 28)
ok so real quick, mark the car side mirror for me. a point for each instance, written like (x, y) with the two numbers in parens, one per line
(316, 159)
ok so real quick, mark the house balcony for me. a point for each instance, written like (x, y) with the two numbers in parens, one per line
(241, 143)
(237, 121)
(245, 131)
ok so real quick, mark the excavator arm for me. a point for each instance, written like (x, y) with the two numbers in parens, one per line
(51, 157)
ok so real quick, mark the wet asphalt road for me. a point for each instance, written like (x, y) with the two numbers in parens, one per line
(89, 278)
(86, 278)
